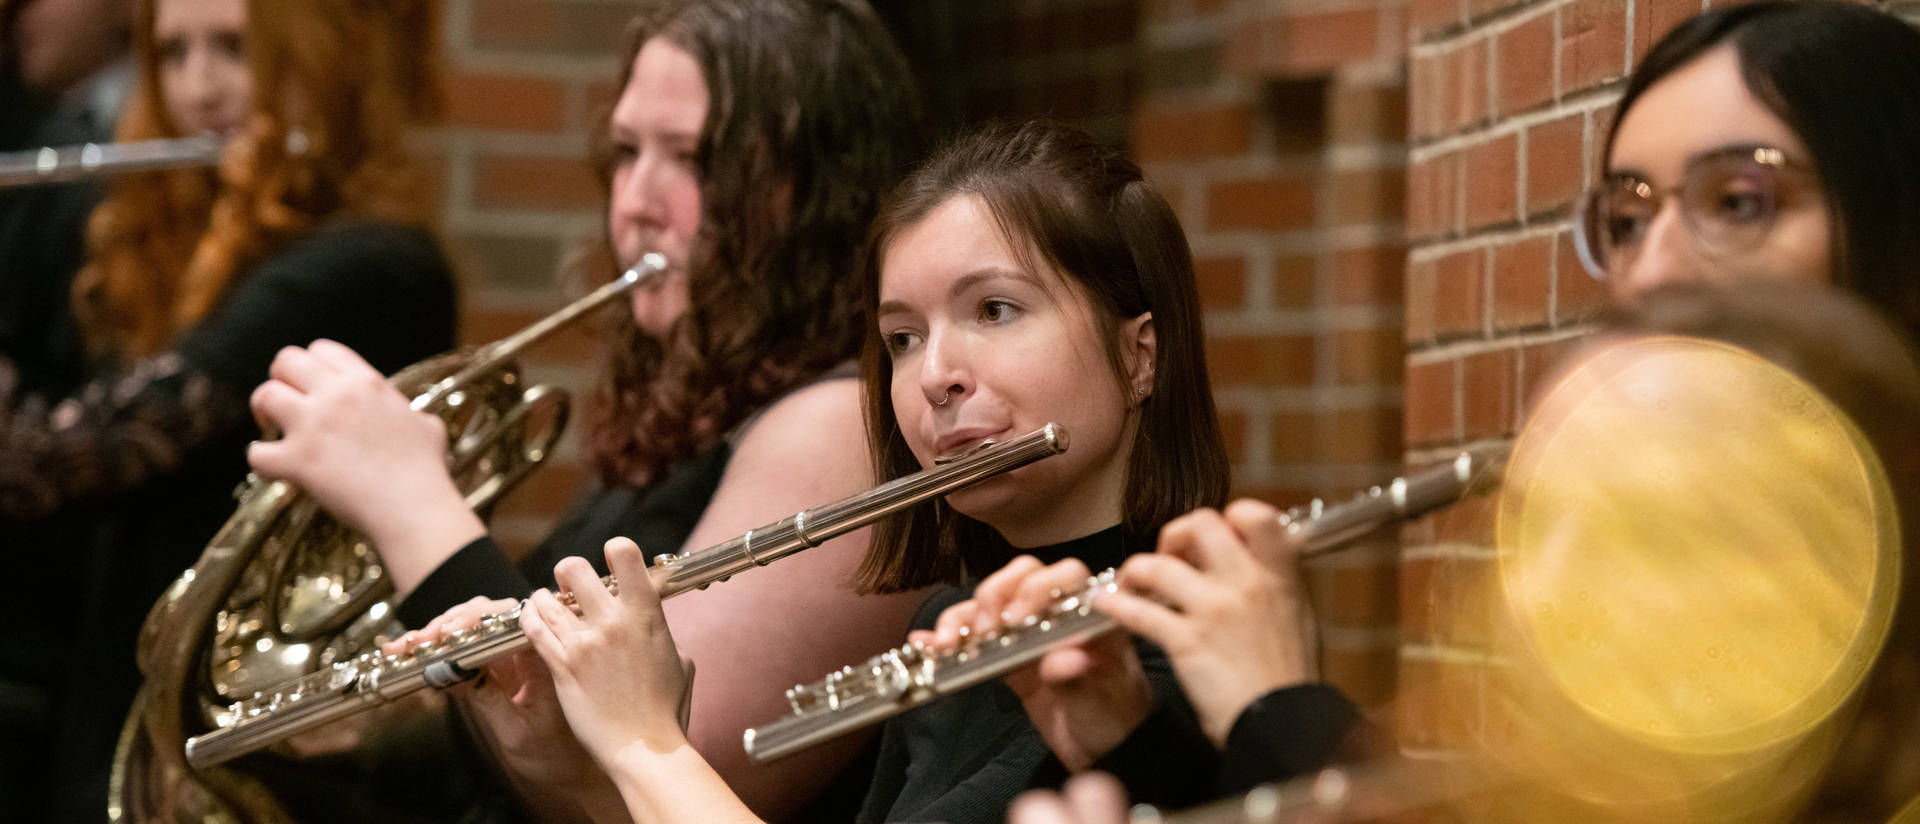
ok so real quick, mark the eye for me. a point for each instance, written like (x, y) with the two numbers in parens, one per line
(900, 342)
(233, 45)
(624, 153)
(1625, 229)
(173, 50)
(1741, 206)
(996, 310)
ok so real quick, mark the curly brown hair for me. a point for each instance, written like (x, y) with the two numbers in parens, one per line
(812, 117)
(165, 246)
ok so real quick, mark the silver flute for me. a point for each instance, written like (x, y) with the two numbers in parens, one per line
(900, 679)
(375, 678)
(52, 164)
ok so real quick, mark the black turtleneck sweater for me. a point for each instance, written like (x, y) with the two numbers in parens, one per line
(963, 758)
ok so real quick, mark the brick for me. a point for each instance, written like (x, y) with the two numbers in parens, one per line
(1293, 282)
(1361, 435)
(1489, 391)
(1283, 360)
(1426, 96)
(1293, 438)
(1466, 86)
(506, 103)
(1222, 281)
(1459, 295)
(1492, 180)
(1577, 296)
(1440, 704)
(1233, 430)
(1367, 114)
(1593, 43)
(1164, 131)
(1433, 17)
(1447, 600)
(1323, 41)
(1422, 293)
(1555, 163)
(512, 263)
(1370, 275)
(1541, 363)
(535, 183)
(1185, 68)
(1433, 189)
(1652, 19)
(1522, 281)
(1306, 44)
(1273, 204)
(582, 28)
(1470, 522)
(1525, 64)
(1368, 196)
(482, 324)
(1429, 412)
(1369, 356)
(1367, 676)
(1357, 594)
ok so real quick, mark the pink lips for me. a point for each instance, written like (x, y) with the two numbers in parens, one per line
(955, 444)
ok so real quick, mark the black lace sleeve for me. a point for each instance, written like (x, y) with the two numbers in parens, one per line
(116, 434)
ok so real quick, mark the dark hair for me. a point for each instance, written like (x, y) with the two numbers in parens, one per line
(1865, 366)
(1832, 72)
(1091, 217)
(812, 117)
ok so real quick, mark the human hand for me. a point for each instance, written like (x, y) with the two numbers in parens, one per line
(350, 440)
(1091, 798)
(1224, 598)
(619, 677)
(1084, 698)
(514, 706)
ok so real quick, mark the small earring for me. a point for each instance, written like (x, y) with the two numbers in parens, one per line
(944, 398)
(1141, 391)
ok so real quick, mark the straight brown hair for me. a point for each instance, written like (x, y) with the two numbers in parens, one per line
(1091, 217)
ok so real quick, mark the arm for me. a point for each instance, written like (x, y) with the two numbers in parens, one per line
(766, 630)
(115, 435)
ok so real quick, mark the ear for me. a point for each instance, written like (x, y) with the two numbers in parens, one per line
(1141, 350)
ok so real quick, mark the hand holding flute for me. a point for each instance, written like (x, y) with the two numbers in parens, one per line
(1222, 596)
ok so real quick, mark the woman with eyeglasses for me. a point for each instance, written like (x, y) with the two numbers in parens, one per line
(1769, 140)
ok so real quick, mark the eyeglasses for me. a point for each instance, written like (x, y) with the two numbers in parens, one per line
(1728, 201)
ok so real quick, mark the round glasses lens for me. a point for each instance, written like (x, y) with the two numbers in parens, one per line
(1729, 202)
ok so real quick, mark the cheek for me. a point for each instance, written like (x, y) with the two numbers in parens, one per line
(910, 410)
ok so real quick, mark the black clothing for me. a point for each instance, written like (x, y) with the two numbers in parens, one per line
(136, 471)
(964, 757)
(1288, 732)
(658, 518)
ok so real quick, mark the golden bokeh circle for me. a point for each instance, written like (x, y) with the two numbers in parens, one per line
(1697, 548)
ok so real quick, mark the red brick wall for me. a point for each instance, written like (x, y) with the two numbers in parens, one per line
(1277, 129)
(1509, 102)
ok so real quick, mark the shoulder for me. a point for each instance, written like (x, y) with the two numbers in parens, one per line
(825, 416)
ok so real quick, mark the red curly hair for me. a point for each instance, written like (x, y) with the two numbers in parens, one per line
(348, 78)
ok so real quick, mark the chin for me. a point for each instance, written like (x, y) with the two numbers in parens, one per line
(989, 501)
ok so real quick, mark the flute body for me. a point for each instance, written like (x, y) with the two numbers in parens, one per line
(60, 164)
(901, 679)
(375, 678)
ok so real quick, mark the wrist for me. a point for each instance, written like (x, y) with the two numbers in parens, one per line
(435, 526)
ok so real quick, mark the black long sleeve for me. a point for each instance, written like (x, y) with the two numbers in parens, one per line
(383, 290)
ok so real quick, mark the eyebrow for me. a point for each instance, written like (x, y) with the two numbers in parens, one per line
(962, 284)
(1727, 148)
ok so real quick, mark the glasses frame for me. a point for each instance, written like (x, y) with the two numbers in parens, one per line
(1586, 205)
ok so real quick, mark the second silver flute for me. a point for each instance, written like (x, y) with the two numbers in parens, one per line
(900, 679)
(374, 678)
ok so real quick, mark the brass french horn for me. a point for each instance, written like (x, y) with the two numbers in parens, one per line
(284, 589)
